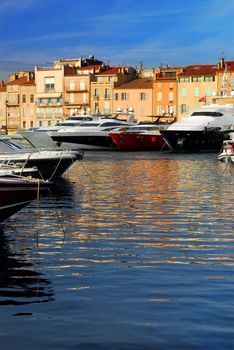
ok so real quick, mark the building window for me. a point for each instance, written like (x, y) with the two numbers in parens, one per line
(159, 110)
(124, 96)
(106, 107)
(96, 92)
(24, 98)
(183, 92)
(116, 96)
(107, 93)
(72, 98)
(31, 98)
(40, 122)
(143, 96)
(208, 91)
(82, 85)
(171, 97)
(209, 78)
(24, 125)
(196, 79)
(170, 74)
(184, 108)
(49, 84)
(72, 85)
(159, 96)
(196, 91)
(184, 79)
(31, 124)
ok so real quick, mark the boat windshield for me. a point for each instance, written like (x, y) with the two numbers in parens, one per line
(7, 146)
(206, 113)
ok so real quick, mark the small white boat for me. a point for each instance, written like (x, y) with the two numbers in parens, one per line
(227, 151)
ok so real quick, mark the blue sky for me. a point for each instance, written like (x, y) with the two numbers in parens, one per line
(119, 32)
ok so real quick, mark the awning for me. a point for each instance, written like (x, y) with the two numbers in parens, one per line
(49, 95)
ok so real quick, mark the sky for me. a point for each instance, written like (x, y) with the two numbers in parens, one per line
(117, 32)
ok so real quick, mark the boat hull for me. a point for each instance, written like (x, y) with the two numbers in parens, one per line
(47, 167)
(16, 193)
(194, 141)
(86, 142)
(138, 141)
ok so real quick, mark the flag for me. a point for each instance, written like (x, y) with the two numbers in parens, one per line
(202, 99)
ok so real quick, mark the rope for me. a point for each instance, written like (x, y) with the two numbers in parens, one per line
(56, 168)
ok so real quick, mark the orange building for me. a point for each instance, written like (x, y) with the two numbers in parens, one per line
(20, 101)
(135, 96)
(165, 92)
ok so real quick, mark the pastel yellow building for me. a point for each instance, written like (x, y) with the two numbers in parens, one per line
(49, 94)
(77, 83)
(103, 85)
(196, 86)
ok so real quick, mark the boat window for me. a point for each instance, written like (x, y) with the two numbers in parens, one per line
(80, 118)
(107, 124)
(69, 124)
(12, 145)
(89, 124)
(206, 113)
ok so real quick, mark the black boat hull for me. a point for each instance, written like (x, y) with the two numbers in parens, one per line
(194, 141)
(102, 141)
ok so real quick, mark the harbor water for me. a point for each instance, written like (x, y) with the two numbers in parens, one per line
(129, 250)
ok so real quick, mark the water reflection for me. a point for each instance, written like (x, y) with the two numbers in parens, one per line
(21, 282)
(139, 251)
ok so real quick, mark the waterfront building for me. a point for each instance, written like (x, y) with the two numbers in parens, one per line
(20, 101)
(104, 83)
(49, 94)
(225, 82)
(135, 96)
(77, 82)
(196, 86)
(3, 103)
(165, 92)
(87, 85)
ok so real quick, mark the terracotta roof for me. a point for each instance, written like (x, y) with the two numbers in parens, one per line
(139, 83)
(230, 65)
(114, 70)
(199, 69)
(22, 81)
(72, 70)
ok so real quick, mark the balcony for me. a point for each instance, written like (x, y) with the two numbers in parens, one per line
(13, 103)
(69, 91)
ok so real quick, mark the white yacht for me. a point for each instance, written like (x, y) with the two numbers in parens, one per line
(91, 134)
(49, 163)
(38, 137)
(204, 130)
